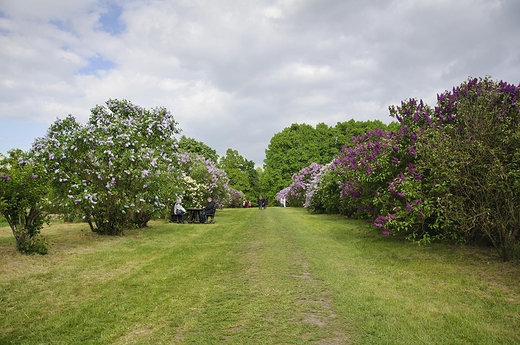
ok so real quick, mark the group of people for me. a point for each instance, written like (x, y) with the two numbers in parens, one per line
(262, 203)
(178, 211)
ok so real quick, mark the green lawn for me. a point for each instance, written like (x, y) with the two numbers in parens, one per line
(276, 276)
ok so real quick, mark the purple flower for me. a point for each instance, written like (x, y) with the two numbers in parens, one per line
(5, 177)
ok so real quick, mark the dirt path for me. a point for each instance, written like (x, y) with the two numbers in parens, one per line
(279, 269)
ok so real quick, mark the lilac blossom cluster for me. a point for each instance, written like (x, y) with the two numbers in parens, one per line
(212, 180)
(385, 176)
(296, 193)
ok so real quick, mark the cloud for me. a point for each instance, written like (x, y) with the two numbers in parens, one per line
(235, 73)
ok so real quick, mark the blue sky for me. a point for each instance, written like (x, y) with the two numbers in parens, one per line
(235, 73)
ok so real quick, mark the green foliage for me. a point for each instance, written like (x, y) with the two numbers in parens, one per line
(190, 145)
(241, 173)
(23, 189)
(476, 158)
(299, 145)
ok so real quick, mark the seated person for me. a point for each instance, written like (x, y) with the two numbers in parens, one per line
(179, 211)
(208, 210)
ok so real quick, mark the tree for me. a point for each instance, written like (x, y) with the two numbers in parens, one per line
(190, 145)
(23, 191)
(449, 173)
(289, 151)
(113, 170)
(297, 146)
(234, 166)
(241, 173)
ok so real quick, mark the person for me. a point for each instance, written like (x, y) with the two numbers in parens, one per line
(249, 203)
(209, 209)
(179, 210)
(260, 202)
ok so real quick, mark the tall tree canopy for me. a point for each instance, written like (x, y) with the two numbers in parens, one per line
(190, 145)
(241, 173)
(299, 145)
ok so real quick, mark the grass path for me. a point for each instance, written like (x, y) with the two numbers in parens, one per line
(276, 276)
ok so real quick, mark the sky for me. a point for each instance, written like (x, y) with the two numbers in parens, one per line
(234, 73)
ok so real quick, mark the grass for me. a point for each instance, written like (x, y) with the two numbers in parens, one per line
(277, 276)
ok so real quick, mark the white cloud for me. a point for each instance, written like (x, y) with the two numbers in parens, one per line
(248, 68)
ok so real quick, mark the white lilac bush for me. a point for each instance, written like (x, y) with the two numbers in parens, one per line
(115, 170)
(23, 191)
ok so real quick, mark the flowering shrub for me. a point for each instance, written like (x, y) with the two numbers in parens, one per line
(112, 170)
(295, 194)
(323, 192)
(449, 173)
(205, 179)
(192, 193)
(23, 189)
(235, 198)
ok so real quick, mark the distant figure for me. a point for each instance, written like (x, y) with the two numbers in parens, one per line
(179, 210)
(265, 203)
(260, 202)
(249, 204)
(282, 202)
(244, 204)
(209, 209)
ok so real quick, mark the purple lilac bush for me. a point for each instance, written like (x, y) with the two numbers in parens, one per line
(451, 172)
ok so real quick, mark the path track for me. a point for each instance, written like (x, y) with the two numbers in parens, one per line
(278, 267)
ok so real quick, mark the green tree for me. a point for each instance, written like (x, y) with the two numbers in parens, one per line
(288, 152)
(23, 190)
(241, 173)
(297, 146)
(190, 145)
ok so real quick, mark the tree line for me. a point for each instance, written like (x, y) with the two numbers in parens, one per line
(445, 173)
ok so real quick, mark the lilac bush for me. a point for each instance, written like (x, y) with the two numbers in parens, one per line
(23, 190)
(295, 194)
(114, 170)
(451, 172)
(210, 180)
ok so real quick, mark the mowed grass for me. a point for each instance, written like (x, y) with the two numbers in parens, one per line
(275, 276)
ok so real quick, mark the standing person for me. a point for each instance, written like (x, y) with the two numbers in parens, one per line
(179, 210)
(244, 204)
(265, 203)
(209, 209)
(249, 203)
(260, 202)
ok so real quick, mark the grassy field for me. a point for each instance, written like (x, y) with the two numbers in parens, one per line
(277, 276)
